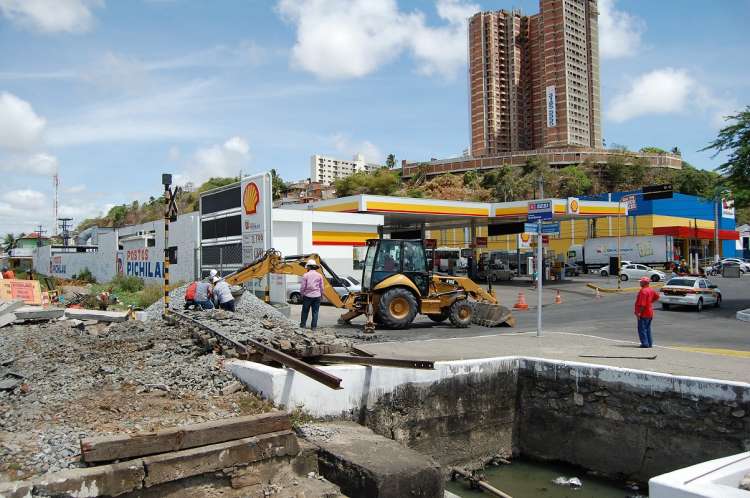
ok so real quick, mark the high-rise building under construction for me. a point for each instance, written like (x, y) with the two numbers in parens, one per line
(534, 80)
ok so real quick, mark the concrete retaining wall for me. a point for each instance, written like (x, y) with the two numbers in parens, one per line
(620, 422)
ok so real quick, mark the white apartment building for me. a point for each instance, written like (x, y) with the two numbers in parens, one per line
(328, 169)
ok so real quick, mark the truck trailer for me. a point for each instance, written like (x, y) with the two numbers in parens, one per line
(652, 250)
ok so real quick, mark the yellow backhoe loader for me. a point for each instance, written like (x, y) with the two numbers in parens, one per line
(396, 286)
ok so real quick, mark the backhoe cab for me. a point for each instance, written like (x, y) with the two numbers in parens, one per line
(396, 285)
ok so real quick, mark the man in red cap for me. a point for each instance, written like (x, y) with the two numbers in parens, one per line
(644, 311)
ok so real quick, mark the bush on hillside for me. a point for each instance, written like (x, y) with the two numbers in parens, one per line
(128, 283)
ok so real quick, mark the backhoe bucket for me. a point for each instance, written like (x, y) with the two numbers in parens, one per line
(491, 315)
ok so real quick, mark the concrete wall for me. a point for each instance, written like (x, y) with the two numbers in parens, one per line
(618, 422)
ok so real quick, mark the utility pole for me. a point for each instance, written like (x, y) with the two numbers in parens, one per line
(65, 230)
(539, 265)
(39, 233)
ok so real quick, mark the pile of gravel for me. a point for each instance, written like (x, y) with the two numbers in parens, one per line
(125, 377)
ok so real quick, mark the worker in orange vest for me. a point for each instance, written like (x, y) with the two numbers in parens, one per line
(8, 273)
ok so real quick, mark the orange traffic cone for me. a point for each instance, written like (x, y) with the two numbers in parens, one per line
(558, 298)
(521, 304)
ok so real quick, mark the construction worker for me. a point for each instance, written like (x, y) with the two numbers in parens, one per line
(8, 273)
(203, 295)
(644, 311)
(311, 290)
(223, 294)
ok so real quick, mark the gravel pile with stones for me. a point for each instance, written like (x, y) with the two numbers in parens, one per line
(122, 378)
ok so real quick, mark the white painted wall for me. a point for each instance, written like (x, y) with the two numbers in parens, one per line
(718, 478)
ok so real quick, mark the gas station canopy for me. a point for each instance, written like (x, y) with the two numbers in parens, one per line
(405, 213)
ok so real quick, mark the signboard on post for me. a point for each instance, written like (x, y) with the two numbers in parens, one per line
(551, 228)
(257, 201)
(524, 241)
(480, 242)
(727, 208)
(530, 228)
(540, 210)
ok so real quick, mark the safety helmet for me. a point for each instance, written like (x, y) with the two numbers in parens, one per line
(311, 263)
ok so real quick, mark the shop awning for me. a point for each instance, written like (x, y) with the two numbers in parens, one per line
(679, 232)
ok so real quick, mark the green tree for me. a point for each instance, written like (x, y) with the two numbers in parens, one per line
(390, 161)
(734, 139)
(8, 241)
(379, 182)
(616, 171)
(471, 178)
(573, 182)
(117, 214)
(638, 171)
(278, 186)
(653, 150)
(695, 181)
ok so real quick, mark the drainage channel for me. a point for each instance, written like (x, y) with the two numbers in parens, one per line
(525, 478)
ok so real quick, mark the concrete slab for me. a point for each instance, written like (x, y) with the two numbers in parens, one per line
(38, 313)
(10, 306)
(7, 319)
(572, 347)
(365, 464)
(101, 316)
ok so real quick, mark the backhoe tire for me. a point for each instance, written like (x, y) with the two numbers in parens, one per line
(397, 308)
(460, 313)
(439, 317)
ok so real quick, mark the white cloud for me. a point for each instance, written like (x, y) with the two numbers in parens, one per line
(25, 198)
(20, 127)
(51, 16)
(35, 164)
(74, 189)
(353, 38)
(670, 91)
(619, 32)
(349, 148)
(662, 91)
(221, 160)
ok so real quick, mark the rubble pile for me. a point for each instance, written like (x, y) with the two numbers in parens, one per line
(257, 320)
(65, 382)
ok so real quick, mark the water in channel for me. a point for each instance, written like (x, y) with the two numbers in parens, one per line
(526, 479)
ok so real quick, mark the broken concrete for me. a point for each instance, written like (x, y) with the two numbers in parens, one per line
(365, 464)
(7, 319)
(38, 313)
(10, 306)
(98, 315)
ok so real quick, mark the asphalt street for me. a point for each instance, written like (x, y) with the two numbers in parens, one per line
(610, 317)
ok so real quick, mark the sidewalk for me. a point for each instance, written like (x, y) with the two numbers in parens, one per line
(571, 347)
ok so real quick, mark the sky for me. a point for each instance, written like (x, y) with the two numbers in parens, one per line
(110, 94)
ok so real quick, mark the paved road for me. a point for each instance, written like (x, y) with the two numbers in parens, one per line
(609, 317)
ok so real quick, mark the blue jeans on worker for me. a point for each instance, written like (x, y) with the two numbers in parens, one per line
(228, 306)
(307, 304)
(644, 332)
(206, 305)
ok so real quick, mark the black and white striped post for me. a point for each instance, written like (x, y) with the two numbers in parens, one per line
(170, 212)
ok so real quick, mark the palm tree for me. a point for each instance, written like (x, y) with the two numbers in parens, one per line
(8, 241)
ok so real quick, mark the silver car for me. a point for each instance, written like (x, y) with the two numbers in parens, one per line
(345, 286)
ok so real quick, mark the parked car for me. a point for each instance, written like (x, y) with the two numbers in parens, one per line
(690, 291)
(604, 271)
(570, 270)
(345, 286)
(635, 272)
(744, 265)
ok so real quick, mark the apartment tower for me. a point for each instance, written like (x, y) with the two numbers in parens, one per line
(534, 80)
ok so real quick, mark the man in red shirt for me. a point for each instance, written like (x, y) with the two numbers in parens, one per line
(644, 311)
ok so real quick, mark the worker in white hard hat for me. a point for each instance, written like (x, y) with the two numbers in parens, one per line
(311, 290)
(223, 294)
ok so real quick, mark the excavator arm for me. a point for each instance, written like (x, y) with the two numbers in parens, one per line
(273, 262)
(444, 283)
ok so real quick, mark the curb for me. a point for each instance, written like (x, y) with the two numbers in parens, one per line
(656, 285)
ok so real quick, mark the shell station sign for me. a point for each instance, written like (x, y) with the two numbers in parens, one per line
(257, 201)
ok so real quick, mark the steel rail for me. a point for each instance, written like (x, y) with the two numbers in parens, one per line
(378, 361)
(288, 361)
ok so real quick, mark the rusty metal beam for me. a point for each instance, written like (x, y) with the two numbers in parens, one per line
(274, 354)
(378, 361)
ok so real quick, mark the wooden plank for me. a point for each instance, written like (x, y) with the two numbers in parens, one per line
(118, 447)
(187, 463)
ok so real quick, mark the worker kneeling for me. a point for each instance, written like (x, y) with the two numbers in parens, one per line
(198, 295)
(223, 294)
(311, 290)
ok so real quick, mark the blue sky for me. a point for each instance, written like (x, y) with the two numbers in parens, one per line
(111, 93)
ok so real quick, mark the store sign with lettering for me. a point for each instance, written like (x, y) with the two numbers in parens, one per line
(551, 107)
(137, 264)
(57, 266)
(257, 201)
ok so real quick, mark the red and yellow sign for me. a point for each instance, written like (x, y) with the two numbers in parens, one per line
(329, 238)
(29, 291)
(251, 198)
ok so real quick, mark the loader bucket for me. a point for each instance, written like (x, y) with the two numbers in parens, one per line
(491, 315)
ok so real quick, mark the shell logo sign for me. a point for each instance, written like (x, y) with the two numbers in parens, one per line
(524, 240)
(251, 198)
(574, 205)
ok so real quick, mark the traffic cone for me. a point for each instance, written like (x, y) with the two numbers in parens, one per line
(521, 304)
(598, 294)
(558, 298)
